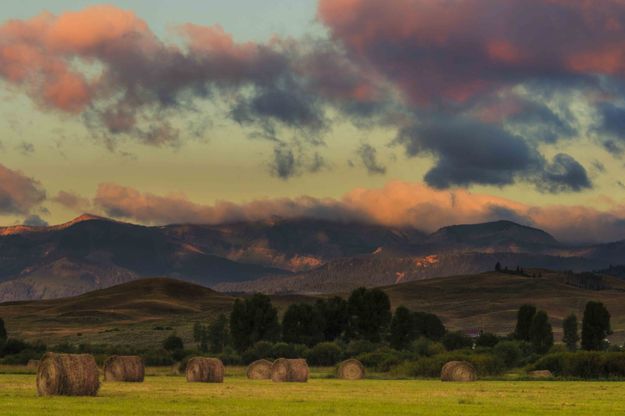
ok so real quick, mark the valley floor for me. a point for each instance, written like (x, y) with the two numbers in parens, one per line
(169, 395)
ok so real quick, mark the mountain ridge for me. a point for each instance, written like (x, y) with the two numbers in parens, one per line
(278, 255)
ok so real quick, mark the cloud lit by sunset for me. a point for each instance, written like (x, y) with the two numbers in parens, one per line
(432, 112)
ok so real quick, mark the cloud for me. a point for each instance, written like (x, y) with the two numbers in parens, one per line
(468, 152)
(72, 201)
(436, 50)
(564, 174)
(35, 221)
(106, 63)
(368, 155)
(395, 204)
(124, 202)
(284, 164)
(473, 84)
(18, 193)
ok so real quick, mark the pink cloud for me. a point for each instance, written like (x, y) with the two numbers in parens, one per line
(459, 49)
(72, 201)
(18, 193)
(106, 61)
(396, 204)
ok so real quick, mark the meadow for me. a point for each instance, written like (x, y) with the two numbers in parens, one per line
(164, 394)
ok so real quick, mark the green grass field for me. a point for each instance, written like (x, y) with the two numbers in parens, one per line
(168, 395)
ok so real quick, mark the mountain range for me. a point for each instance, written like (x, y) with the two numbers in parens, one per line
(272, 256)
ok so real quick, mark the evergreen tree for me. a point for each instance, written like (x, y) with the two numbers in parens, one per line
(335, 315)
(524, 321)
(429, 325)
(217, 335)
(595, 326)
(570, 332)
(252, 320)
(402, 329)
(369, 314)
(302, 324)
(498, 267)
(541, 334)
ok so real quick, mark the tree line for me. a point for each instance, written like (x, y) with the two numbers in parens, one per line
(533, 326)
(365, 315)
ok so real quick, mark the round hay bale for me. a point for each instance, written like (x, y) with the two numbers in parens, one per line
(289, 370)
(205, 370)
(259, 370)
(458, 371)
(67, 375)
(540, 374)
(351, 370)
(128, 368)
(32, 365)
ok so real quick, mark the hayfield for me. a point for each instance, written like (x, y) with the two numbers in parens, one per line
(163, 394)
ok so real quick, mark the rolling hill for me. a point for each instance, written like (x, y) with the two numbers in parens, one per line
(145, 311)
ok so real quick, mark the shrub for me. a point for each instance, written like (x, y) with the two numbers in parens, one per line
(230, 357)
(262, 349)
(284, 350)
(583, 364)
(160, 357)
(487, 364)
(382, 359)
(355, 348)
(425, 347)
(456, 341)
(324, 353)
(172, 343)
(22, 357)
(508, 352)
(14, 346)
(487, 340)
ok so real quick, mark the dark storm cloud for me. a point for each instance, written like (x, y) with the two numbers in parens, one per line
(564, 174)
(610, 126)
(469, 152)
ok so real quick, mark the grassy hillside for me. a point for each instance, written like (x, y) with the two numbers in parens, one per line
(491, 300)
(144, 312)
(140, 312)
(122, 314)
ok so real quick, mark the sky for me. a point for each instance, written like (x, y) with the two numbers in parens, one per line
(408, 113)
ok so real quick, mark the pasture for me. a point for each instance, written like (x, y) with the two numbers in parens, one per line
(164, 394)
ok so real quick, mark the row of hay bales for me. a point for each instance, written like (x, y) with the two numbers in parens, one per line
(296, 370)
(78, 374)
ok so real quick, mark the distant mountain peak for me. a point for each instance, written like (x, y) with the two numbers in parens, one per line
(503, 229)
(85, 217)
